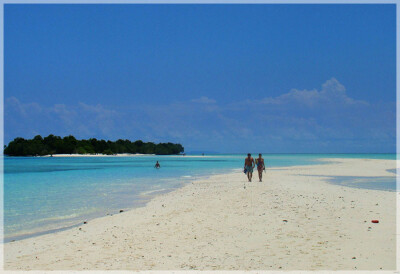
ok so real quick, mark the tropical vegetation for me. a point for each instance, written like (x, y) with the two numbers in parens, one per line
(39, 146)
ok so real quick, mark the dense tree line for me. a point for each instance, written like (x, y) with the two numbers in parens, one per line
(69, 144)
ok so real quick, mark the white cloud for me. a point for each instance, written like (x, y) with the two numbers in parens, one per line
(305, 120)
(68, 116)
(331, 93)
(80, 120)
(23, 109)
(204, 100)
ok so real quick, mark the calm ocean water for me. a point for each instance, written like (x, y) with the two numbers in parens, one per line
(42, 194)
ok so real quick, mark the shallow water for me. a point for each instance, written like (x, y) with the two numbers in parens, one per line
(377, 183)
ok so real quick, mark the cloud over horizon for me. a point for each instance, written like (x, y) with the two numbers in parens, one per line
(331, 93)
(316, 120)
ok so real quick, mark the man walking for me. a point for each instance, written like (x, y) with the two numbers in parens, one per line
(249, 166)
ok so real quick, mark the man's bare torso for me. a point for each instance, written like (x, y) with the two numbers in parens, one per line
(249, 161)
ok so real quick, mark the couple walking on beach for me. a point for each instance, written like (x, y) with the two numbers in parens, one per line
(249, 164)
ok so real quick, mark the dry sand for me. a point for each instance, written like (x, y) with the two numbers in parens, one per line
(293, 220)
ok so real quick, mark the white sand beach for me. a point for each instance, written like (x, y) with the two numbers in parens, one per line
(98, 155)
(128, 155)
(294, 220)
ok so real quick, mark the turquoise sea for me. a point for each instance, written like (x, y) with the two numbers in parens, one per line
(42, 194)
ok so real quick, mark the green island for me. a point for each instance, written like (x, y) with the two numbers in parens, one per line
(39, 146)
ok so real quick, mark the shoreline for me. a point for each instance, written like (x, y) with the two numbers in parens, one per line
(155, 193)
(206, 155)
(150, 194)
(117, 155)
(98, 155)
(19, 237)
(183, 200)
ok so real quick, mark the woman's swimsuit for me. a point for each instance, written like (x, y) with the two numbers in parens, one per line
(260, 165)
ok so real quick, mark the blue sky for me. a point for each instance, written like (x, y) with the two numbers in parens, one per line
(224, 78)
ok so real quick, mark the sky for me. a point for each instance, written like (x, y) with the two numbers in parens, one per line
(215, 78)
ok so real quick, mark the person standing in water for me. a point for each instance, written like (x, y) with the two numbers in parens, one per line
(157, 165)
(260, 166)
(249, 166)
